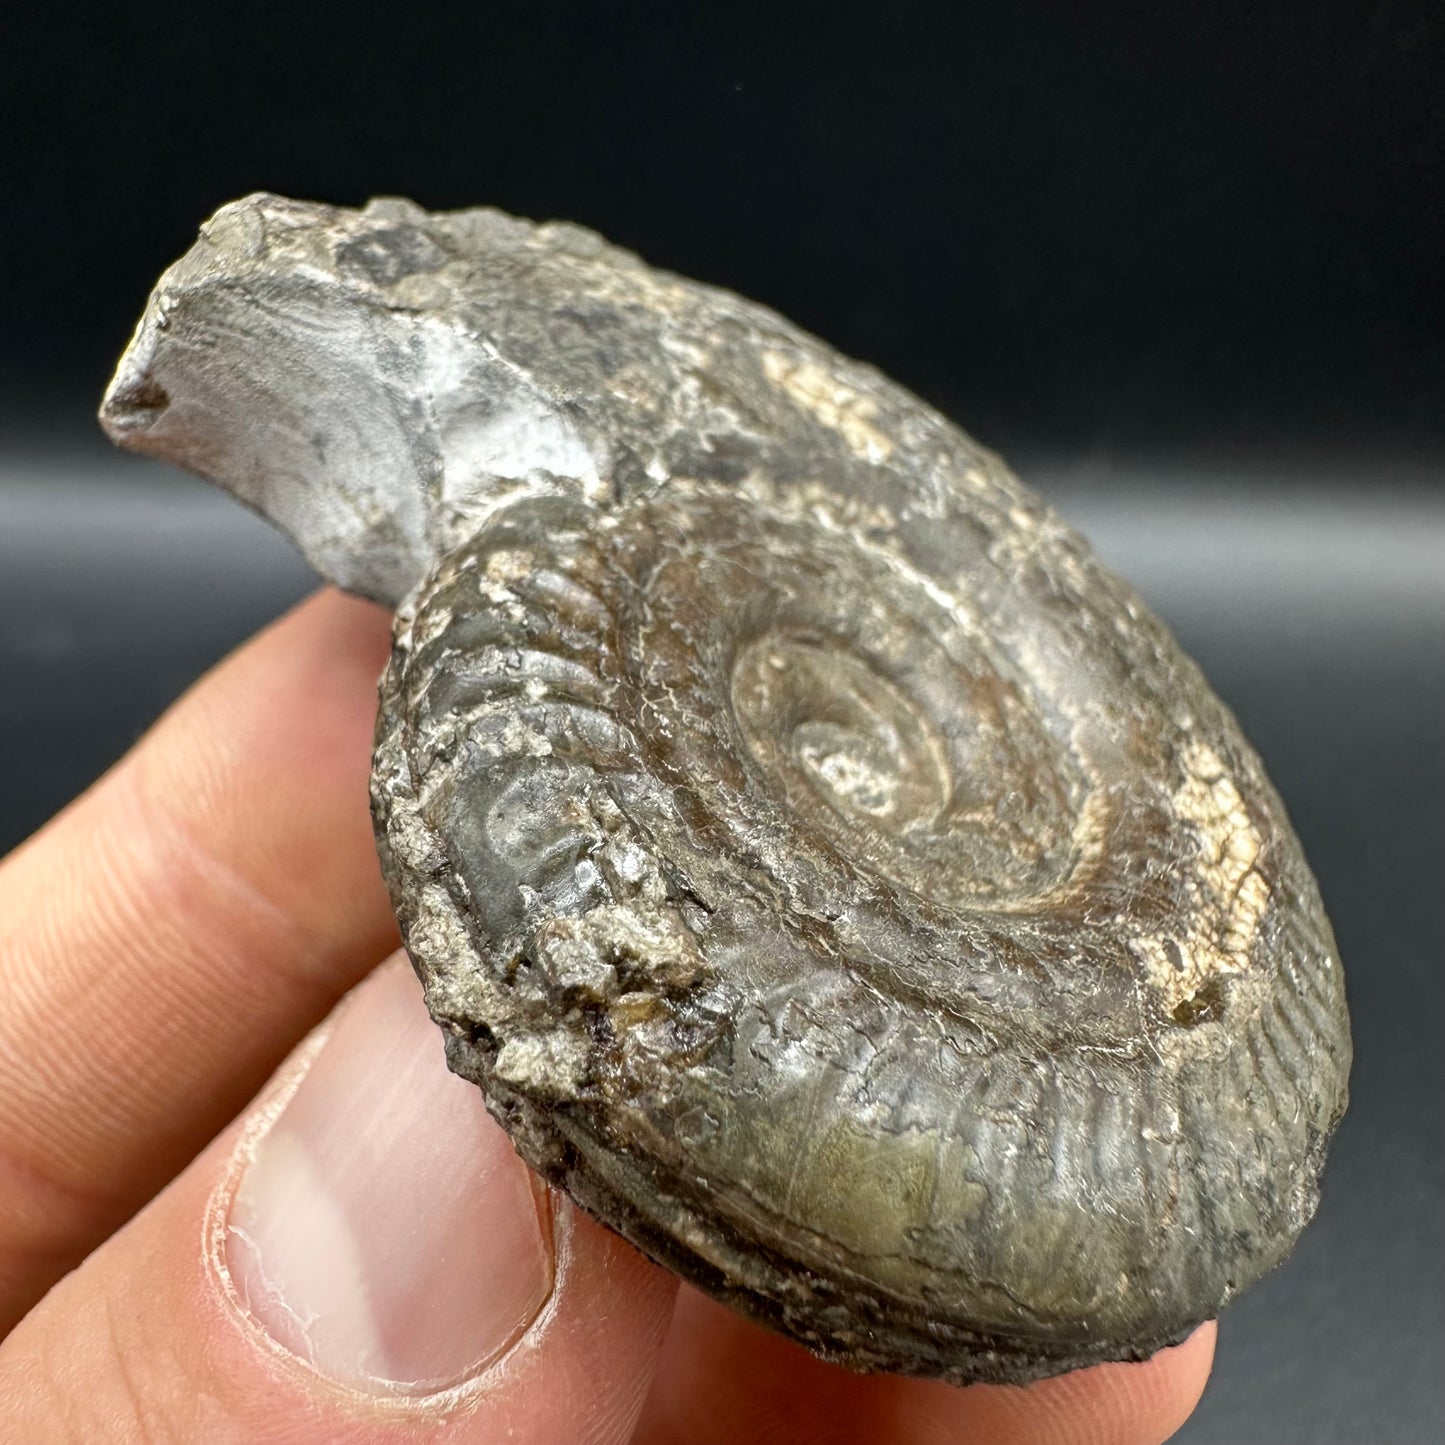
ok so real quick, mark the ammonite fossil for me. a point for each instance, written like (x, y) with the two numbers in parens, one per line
(834, 878)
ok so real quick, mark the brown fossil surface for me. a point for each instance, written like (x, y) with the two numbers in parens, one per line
(834, 878)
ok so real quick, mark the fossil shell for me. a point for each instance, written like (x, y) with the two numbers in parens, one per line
(834, 878)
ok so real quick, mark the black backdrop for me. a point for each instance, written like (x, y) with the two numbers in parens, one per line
(1183, 263)
(1079, 226)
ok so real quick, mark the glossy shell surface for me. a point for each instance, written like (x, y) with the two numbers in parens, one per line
(834, 878)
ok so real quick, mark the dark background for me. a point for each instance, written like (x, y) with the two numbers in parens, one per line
(1183, 265)
(1079, 226)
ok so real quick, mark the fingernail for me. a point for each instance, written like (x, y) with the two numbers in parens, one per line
(384, 1230)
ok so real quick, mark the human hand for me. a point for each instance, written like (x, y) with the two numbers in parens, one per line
(357, 1255)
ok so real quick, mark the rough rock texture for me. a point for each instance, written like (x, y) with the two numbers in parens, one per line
(835, 879)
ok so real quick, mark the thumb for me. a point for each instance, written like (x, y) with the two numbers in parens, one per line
(362, 1258)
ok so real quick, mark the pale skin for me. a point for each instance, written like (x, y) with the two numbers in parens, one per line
(165, 943)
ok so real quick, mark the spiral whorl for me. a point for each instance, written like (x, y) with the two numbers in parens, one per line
(784, 868)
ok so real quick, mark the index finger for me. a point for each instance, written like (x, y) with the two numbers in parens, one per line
(167, 938)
